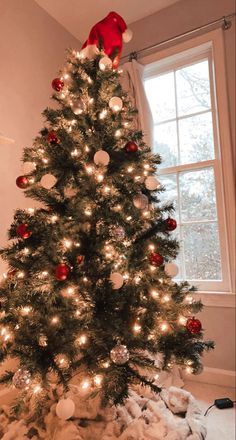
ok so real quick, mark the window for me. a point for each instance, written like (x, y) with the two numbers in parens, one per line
(181, 94)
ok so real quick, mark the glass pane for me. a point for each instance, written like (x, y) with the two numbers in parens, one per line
(196, 138)
(165, 143)
(169, 181)
(193, 88)
(197, 192)
(202, 251)
(161, 97)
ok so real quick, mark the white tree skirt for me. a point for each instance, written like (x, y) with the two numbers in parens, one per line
(144, 417)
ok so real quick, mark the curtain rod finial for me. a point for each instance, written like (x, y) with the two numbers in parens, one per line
(226, 24)
(133, 56)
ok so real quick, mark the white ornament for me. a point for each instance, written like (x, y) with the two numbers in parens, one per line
(28, 167)
(171, 270)
(151, 183)
(116, 104)
(21, 378)
(117, 280)
(48, 181)
(90, 52)
(127, 35)
(101, 157)
(65, 409)
(105, 63)
(77, 106)
(140, 201)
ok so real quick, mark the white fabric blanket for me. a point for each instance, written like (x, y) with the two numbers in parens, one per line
(144, 417)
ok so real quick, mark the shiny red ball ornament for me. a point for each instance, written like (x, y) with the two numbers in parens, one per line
(156, 259)
(80, 259)
(131, 147)
(193, 325)
(57, 84)
(22, 182)
(52, 138)
(171, 224)
(62, 271)
(22, 231)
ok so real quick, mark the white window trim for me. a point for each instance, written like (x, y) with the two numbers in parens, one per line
(198, 46)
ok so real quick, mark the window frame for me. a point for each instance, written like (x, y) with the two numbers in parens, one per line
(211, 46)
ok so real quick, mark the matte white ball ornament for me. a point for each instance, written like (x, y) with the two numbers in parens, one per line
(28, 167)
(77, 106)
(65, 409)
(101, 157)
(171, 269)
(115, 104)
(105, 63)
(127, 35)
(117, 280)
(48, 181)
(140, 201)
(151, 183)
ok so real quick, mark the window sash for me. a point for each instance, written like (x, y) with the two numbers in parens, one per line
(215, 285)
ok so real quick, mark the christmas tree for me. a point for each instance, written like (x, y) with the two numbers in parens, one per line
(90, 289)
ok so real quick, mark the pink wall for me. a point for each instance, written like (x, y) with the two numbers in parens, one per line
(32, 49)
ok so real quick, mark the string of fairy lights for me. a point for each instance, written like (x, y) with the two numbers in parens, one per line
(140, 172)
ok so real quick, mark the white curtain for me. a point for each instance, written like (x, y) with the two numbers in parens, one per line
(132, 83)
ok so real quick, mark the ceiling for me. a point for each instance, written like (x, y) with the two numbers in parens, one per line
(78, 16)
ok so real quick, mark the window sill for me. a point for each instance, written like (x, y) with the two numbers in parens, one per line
(216, 299)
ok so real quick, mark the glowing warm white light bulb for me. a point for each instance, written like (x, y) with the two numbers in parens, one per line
(83, 339)
(21, 274)
(128, 218)
(67, 243)
(45, 160)
(37, 388)
(74, 153)
(137, 327)
(44, 274)
(54, 218)
(106, 364)
(182, 320)
(30, 210)
(85, 384)
(166, 298)
(70, 290)
(118, 133)
(87, 149)
(164, 326)
(55, 320)
(188, 370)
(151, 247)
(154, 294)
(88, 211)
(103, 114)
(89, 169)
(189, 299)
(98, 380)
(130, 169)
(100, 177)
(26, 310)
(26, 251)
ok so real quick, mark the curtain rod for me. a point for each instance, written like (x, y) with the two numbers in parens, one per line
(226, 24)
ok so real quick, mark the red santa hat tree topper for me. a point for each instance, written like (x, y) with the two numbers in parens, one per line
(107, 35)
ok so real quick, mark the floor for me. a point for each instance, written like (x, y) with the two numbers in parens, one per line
(220, 423)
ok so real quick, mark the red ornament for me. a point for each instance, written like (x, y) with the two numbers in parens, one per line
(22, 182)
(22, 231)
(193, 325)
(131, 147)
(107, 33)
(52, 138)
(57, 84)
(156, 259)
(62, 271)
(171, 224)
(80, 259)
